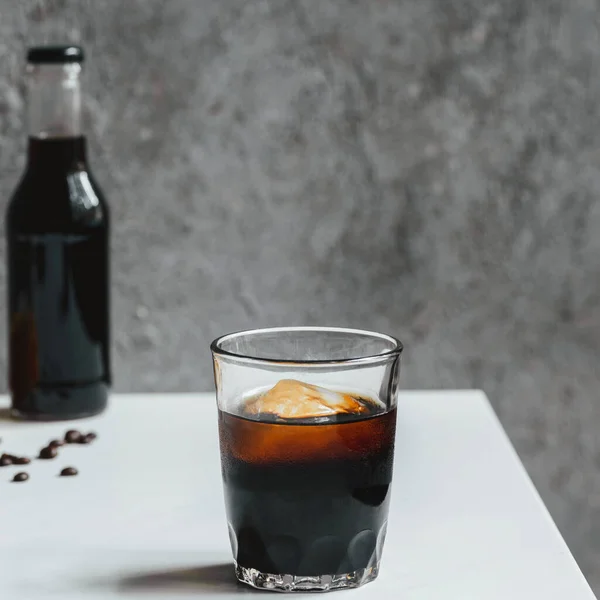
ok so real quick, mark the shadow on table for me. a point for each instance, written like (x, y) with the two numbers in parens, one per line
(6, 417)
(209, 579)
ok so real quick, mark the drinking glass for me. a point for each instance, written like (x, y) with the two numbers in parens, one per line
(307, 419)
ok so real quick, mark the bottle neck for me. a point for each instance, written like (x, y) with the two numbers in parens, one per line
(54, 101)
(56, 142)
(56, 156)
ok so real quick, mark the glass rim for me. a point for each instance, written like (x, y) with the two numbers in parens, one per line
(218, 350)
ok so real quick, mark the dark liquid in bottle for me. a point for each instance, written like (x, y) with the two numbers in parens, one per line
(307, 498)
(58, 297)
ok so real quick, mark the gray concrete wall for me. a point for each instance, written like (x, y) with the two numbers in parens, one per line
(430, 168)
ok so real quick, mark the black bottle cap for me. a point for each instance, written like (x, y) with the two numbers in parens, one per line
(55, 55)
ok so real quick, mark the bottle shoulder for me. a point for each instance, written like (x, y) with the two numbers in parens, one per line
(71, 201)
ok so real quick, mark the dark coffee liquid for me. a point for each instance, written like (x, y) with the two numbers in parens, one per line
(58, 285)
(307, 498)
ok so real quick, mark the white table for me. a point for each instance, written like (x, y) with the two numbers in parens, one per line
(145, 519)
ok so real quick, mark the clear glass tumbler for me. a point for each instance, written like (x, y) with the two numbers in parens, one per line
(307, 420)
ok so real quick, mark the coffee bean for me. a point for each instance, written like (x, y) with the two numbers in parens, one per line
(21, 477)
(87, 439)
(5, 460)
(69, 472)
(21, 460)
(56, 443)
(72, 436)
(91, 436)
(48, 452)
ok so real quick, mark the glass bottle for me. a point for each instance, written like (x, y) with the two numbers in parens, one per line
(57, 233)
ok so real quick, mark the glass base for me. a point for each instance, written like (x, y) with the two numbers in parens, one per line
(61, 403)
(305, 583)
(18, 415)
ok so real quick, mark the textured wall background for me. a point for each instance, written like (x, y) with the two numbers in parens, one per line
(429, 168)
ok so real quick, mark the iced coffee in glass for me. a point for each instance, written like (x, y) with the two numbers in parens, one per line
(307, 420)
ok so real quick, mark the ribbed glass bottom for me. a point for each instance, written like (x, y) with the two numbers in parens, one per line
(305, 583)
